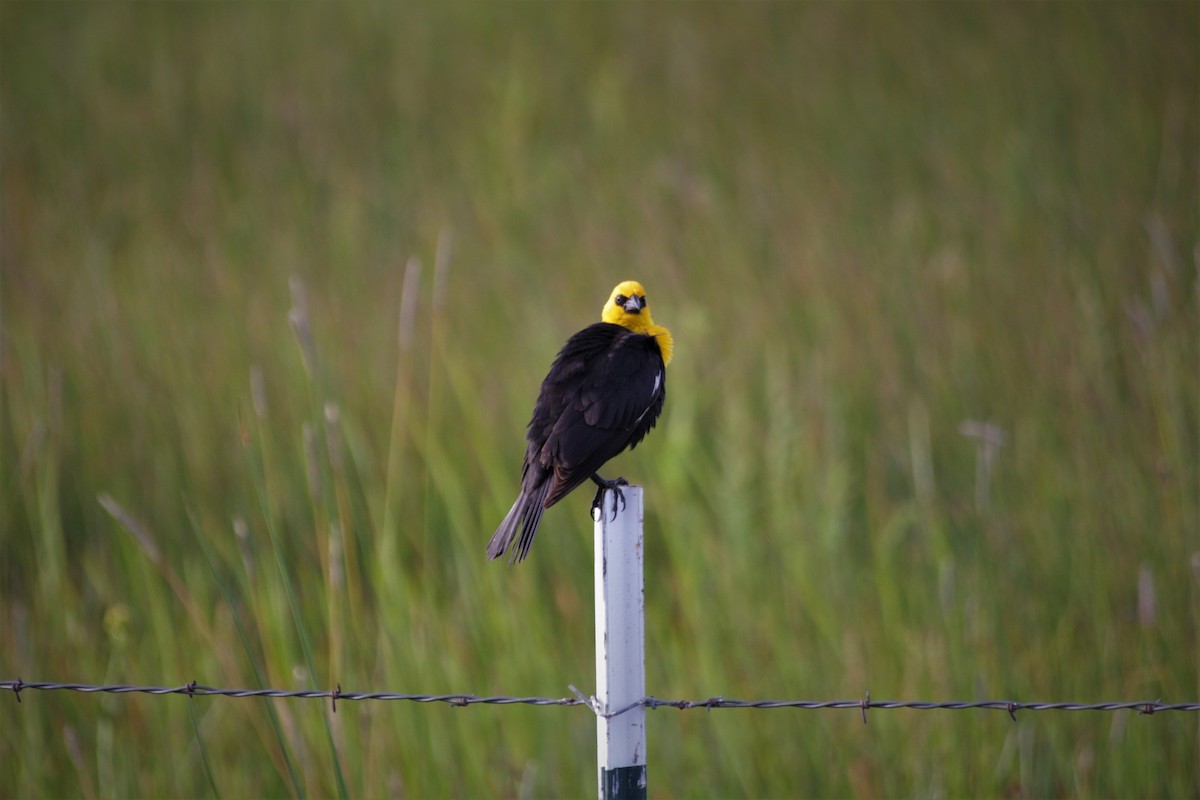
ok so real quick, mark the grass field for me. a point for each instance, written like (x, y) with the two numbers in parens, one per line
(238, 446)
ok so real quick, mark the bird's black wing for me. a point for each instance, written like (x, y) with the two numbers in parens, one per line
(604, 393)
(569, 372)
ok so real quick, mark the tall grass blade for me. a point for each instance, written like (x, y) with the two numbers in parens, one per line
(295, 783)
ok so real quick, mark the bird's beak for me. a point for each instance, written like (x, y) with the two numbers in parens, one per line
(634, 305)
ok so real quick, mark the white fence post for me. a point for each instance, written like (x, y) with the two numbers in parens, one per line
(620, 648)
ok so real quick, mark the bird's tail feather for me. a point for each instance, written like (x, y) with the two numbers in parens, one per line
(525, 514)
(504, 534)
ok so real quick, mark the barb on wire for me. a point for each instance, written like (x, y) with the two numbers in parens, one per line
(194, 689)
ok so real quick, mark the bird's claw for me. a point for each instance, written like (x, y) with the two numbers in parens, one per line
(598, 500)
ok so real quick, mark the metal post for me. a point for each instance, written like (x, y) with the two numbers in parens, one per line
(621, 648)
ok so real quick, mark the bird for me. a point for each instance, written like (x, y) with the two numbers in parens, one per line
(603, 393)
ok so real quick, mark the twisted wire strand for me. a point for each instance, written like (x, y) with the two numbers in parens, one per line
(194, 689)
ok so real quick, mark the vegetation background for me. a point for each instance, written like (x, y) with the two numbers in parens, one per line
(280, 281)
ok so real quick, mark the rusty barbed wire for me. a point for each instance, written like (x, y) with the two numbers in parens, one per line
(194, 689)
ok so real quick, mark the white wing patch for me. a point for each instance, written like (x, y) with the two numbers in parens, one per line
(658, 376)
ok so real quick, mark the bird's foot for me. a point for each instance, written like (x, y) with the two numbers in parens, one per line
(598, 500)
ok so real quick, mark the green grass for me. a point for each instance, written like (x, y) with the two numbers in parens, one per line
(864, 223)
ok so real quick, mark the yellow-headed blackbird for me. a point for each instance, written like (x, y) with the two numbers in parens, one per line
(603, 393)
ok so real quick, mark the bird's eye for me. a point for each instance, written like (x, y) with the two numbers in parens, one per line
(644, 300)
(620, 299)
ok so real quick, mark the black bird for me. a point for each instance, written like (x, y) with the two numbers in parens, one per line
(603, 393)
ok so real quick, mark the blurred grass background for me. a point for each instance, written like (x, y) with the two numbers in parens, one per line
(866, 224)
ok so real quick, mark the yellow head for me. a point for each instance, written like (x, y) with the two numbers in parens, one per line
(627, 307)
